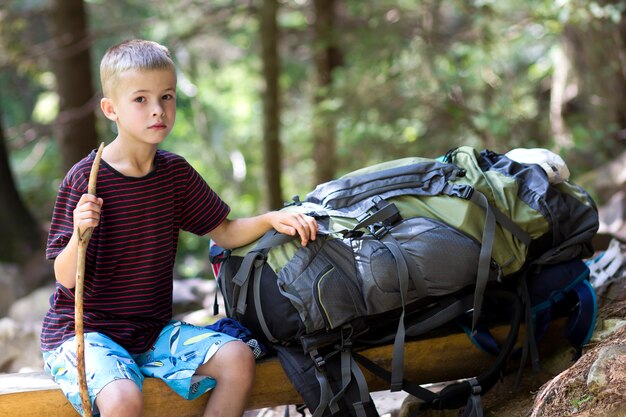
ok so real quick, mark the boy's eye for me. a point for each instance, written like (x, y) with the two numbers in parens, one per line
(168, 97)
(140, 99)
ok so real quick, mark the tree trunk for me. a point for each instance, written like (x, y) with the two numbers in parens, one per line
(326, 59)
(271, 104)
(20, 231)
(72, 65)
(597, 53)
(620, 44)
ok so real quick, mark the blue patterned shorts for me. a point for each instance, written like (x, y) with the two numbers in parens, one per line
(180, 349)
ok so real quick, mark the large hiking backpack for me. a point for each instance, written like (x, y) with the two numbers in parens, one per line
(409, 245)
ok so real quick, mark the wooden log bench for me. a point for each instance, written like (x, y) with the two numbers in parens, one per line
(439, 358)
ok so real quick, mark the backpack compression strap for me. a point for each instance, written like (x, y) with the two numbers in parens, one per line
(253, 263)
(398, 345)
(387, 213)
(578, 331)
(349, 371)
(465, 392)
(492, 215)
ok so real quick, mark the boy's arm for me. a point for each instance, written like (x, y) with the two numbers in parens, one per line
(86, 214)
(239, 232)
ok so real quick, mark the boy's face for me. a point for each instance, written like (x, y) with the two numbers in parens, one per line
(143, 105)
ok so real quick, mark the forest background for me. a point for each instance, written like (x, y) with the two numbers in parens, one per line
(277, 96)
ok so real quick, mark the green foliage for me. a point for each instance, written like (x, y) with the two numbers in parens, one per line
(580, 404)
(416, 78)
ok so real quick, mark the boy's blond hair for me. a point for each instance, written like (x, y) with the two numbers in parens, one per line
(134, 54)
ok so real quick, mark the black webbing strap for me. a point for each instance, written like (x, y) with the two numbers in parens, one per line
(484, 257)
(414, 272)
(349, 368)
(254, 259)
(447, 310)
(474, 407)
(386, 212)
(364, 395)
(492, 215)
(445, 314)
(407, 386)
(451, 395)
(345, 379)
(242, 277)
(457, 394)
(325, 388)
(324, 393)
(529, 345)
(256, 291)
(397, 363)
(504, 221)
(272, 239)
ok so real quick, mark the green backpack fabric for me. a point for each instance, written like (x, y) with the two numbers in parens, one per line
(395, 237)
(500, 212)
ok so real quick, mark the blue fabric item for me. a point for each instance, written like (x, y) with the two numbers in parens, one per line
(548, 292)
(583, 322)
(235, 329)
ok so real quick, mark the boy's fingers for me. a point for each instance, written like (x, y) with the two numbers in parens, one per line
(88, 198)
(313, 227)
(87, 212)
(305, 226)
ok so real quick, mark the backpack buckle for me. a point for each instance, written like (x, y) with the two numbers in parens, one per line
(347, 332)
(465, 191)
(475, 386)
(393, 216)
(295, 201)
(318, 360)
(351, 234)
(379, 231)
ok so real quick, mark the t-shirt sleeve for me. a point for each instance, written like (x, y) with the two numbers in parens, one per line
(203, 209)
(62, 224)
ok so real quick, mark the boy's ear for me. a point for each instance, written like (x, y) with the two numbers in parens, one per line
(106, 104)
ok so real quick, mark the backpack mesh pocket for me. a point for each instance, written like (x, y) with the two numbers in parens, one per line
(321, 283)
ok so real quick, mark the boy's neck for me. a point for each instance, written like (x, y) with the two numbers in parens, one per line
(132, 161)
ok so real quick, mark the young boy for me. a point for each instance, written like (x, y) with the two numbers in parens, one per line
(145, 197)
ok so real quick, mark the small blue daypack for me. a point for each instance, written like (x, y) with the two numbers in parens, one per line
(551, 292)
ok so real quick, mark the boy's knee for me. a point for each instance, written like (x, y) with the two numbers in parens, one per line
(120, 398)
(241, 365)
(233, 361)
(240, 357)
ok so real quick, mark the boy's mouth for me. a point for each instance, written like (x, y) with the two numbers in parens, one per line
(158, 126)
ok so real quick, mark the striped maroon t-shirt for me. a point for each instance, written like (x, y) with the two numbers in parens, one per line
(130, 258)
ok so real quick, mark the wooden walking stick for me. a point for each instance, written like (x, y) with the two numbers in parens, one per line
(83, 242)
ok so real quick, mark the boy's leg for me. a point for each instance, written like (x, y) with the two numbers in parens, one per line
(184, 350)
(233, 368)
(120, 398)
(113, 378)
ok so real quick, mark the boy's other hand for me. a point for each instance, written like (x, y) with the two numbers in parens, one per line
(87, 212)
(292, 223)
